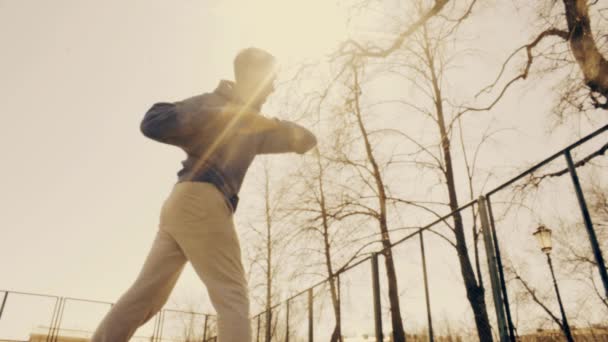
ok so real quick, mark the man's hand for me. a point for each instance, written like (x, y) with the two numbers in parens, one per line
(302, 140)
(280, 136)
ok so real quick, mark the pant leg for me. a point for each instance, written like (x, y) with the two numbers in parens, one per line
(198, 218)
(150, 291)
(216, 258)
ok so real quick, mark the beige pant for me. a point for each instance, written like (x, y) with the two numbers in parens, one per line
(195, 225)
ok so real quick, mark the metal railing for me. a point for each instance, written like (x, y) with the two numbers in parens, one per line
(505, 321)
(297, 319)
(48, 314)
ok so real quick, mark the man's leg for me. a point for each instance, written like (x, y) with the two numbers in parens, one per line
(148, 293)
(215, 255)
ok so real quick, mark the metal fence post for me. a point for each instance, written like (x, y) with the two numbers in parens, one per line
(268, 324)
(155, 328)
(257, 338)
(3, 303)
(491, 258)
(377, 302)
(501, 272)
(205, 328)
(162, 324)
(595, 246)
(57, 328)
(287, 323)
(339, 318)
(53, 318)
(426, 289)
(310, 316)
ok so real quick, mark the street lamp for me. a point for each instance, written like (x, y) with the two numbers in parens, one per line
(543, 236)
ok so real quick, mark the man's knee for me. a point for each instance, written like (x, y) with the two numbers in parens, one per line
(230, 299)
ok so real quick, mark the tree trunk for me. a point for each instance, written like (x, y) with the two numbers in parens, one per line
(591, 62)
(393, 289)
(269, 274)
(475, 292)
(336, 336)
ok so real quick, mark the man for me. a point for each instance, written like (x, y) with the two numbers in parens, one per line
(221, 133)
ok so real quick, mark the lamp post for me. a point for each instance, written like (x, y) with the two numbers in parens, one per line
(543, 236)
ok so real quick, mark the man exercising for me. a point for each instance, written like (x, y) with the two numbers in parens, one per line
(221, 133)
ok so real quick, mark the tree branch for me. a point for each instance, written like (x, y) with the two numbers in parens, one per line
(353, 48)
(522, 76)
(536, 299)
(535, 181)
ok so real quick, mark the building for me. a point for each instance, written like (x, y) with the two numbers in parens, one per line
(595, 333)
(44, 338)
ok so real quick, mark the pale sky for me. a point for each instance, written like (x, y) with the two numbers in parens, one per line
(81, 187)
(77, 78)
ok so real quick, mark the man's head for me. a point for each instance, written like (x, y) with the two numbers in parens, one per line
(254, 73)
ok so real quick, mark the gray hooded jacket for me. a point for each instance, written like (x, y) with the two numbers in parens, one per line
(221, 136)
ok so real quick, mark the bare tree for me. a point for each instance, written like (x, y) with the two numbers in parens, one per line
(371, 174)
(529, 290)
(428, 70)
(269, 250)
(573, 34)
(328, 232)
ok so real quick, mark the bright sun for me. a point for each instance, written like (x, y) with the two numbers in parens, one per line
(291, 29)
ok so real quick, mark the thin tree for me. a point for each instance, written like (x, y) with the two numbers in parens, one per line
(371, 167)
(269, 250)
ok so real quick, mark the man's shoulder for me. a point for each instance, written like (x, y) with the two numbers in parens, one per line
(209, 98)
(207, 102)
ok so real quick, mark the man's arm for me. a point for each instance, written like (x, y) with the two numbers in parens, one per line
(285, 136)
(175, 123)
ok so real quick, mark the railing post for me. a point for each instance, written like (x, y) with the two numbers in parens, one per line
(257, 337)
(56, 312)
(65, 300)
(491, 258)
(3, 303)
(205, 328)
(162, 324)
(426, 289)
(287, 323)
(339, 318)
(58, 302)
(377, 303)
(595, 246)
(155, 328)
(501, 272)
(310, 317)
(268, 324)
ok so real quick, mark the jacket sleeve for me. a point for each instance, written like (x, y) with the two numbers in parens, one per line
(175, 123)
(284, 137)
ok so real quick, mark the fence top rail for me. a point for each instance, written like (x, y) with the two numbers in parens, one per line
(7, 292)
(187, 312)
(549, 159)
(29, 294)
(87, 300)
(445, 217)
(360, 261)
(367, 258)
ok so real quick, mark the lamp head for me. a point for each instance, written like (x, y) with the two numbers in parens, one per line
(543, 237)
